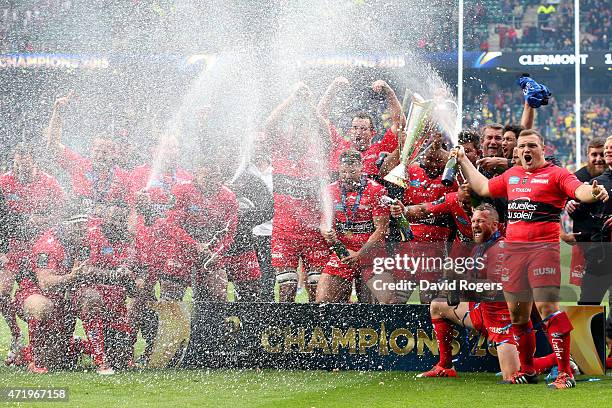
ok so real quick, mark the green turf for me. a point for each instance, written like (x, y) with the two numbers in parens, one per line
(249, 388)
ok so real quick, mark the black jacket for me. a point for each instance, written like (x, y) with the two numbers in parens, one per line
(583, 221)
(256, 207)
(598, 212)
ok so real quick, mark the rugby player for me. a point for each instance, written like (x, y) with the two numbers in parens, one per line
(33, 200)
(101, 301)
(297, 138)
(203, 224)
(536, 193)
(60, 258)
(360, 223)
(490, 316)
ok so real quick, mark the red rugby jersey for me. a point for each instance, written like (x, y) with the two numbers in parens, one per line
(360, 224)
(198, 217)
(421, 189)
(535, 200)
(42, 196)
(388, 143)
(297, 185)
(449, 204)
(91, 184)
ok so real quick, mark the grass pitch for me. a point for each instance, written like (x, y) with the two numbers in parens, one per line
(250, 388)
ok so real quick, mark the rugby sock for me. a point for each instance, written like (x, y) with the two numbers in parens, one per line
(94, 328)
(8, 311)
(35, 331)
(444, 336)
(543, 364)
(526, 344)
(559, 328)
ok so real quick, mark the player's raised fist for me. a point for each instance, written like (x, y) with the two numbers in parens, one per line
(63, 101)
(380, 86)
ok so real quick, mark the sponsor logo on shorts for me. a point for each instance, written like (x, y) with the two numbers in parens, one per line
(549, 270)
(498, 330)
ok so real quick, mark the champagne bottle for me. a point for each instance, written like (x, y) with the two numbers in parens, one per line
(450, 171)
(340, 249)
(402, 222)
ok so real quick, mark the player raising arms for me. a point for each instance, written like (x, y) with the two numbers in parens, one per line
(95, 180)
(361, 221)
(33, 202)
(297, 138)
(536, 193)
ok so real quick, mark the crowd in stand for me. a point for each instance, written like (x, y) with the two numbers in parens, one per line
(519, 25)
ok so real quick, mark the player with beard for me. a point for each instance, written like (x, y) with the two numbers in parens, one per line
(101, 300)
(362, 130)
(297, 139)
(59, 259)
(490, 315)
(94, 180)
(203, 223)
(361, 221)
(150, 197)
(583, 223)
(33, 201)
(536, 193)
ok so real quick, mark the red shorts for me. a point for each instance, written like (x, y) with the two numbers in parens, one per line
(336, 268)
(490, 319)
(531, 265)
(287, 250)
(241, 267)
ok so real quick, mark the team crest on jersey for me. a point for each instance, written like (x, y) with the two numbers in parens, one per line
(439, 200)
(514, 180)
(42, 261)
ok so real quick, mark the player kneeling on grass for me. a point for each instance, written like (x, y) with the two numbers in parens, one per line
(42, 299)
(490, 316)
(100, 301)
(361, 221)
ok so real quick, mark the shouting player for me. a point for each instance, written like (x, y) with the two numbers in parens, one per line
(536, 193)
